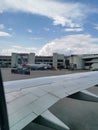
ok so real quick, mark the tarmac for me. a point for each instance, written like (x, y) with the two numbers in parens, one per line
(8, 76)
(78, 115)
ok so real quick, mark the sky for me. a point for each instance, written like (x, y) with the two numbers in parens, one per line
(47, 26)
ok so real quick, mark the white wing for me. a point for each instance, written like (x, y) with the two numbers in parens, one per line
(27, 99)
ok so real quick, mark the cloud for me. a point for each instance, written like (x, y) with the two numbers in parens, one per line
(1, 11)
(1, 26)
(36, 38)
(29, 30)
(10, 29)
(72, 44)
(96, 27)
(47, 29)
(4, 34)
(73, 29)
(66, 14)
(18, 49)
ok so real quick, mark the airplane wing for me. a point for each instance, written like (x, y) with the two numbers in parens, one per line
(28, 99)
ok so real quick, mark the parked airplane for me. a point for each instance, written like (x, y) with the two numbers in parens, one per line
(30, 98)
(38, 66)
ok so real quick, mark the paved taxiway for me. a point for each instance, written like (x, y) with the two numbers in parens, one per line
(78, 115)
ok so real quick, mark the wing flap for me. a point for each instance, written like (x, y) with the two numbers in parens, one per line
(43, 103)
(23, 122)
(20, 114)
(21, 102)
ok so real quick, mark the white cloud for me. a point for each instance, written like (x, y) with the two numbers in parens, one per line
(10, 29)
(96, 27)
(71, 44)
(1, 11)
(1, 26)
(73, 29)
(4, 34)
(74, 44)
(29, 30)
(47, 29)
(66, 14)
(18, 49)
(36, 38)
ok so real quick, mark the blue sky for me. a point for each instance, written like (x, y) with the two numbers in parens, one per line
(44, 27)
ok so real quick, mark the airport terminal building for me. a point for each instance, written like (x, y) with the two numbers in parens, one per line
(5, 61)
(85, 61)
(56, 61)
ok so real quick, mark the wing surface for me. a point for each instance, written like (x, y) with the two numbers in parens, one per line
(27, 99)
